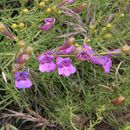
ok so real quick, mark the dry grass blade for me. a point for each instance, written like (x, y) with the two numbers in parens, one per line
(71, 13)
(89, 8)
(27, 117)
(68, 35)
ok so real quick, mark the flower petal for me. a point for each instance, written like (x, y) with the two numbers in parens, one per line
(67, 71)
(88, 49)
(23, 84)
(47, 67)
(107, 66)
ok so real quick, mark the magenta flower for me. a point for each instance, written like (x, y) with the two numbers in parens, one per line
(82, 56)
(65, 67)
(46, 63)
(66, 50)
(22, 80)
(104, 61)
(85, 53)
(88, 54)
(49, 22)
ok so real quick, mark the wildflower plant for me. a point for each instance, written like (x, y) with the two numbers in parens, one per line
(51, 57)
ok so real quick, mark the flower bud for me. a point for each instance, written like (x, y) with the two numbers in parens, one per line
(76, 45)
(109, 25)
(54, 7)
(122, 15)
(41, 4)
(119, 100)
(87, 40)
(59, 11)
(79, 8)
(25, 11)
(22, 58)
(21, 43)
(14, 25)
(125, 48)
(104, 29)
(2, 28)
(21, 25)
(28, 50)
(6, 32)
(108, 36)
(70, 40)
(48, 10)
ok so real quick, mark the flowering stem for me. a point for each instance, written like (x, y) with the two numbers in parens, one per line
(65, 55)
(107, 53)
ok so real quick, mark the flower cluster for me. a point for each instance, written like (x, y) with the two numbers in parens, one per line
(53, 59)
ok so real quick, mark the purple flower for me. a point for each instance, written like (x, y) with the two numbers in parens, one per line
(46, 63)
(88, 53)
(66, 50)
(22, 80)
(65, 67)
(49, 22)
(82, 56)
(85, 53)
(104, 61)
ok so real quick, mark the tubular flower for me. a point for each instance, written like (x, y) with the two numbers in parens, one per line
(22, 80)
(46, 63)
(49, 22)
(65, 67)
(104, 61)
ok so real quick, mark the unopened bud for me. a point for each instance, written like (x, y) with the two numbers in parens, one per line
(125, 48)
(54, 7)
(28, 50)
(41, 4)
(25, 11)
(109, 25)
(122, 15)
(48, 10)
(4, 30)
(14, 25)
(108, 36)
(70, 40)
(21, 43)
(87, 40)
(21, 25)
(79, 8)
(22, 58)
(119, 100)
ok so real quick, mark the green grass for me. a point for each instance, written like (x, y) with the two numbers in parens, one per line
(59, 99)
